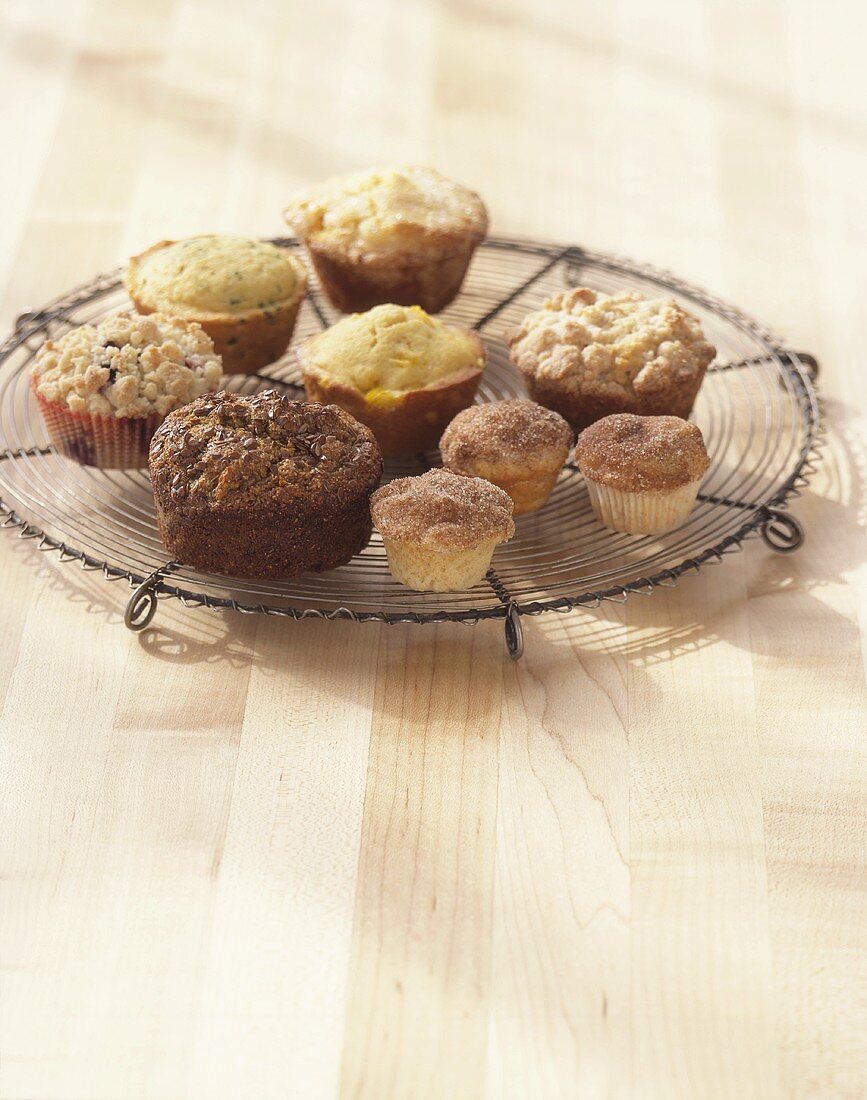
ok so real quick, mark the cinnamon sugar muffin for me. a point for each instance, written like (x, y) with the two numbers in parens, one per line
(244, 293)
(642, 472)
(396, 369)
(517, 445)
(104, 389)
(403, 235)
(587, 355)
(439, 530)
(262, 486)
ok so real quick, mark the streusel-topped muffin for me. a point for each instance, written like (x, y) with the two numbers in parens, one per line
(517, 445)
(440, 530)
(103, 389)
(401, 372)
(642, 472)
(587, 355)
(245, 293)
(403, 235)
(262, 486)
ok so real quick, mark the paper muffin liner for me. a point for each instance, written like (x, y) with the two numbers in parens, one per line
(650, 513)
(110, 443)
(426, 570)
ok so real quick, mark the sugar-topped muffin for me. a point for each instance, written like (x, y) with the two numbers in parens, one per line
(440, 530)
(398, 370)
(587, 355)
(403, 235)
(642, 472)
(103, 389)
(245, 293)
(261, 486)
(517, 445)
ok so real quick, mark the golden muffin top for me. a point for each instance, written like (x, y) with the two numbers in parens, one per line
(387, 211)
(614, 345)
(392, 349)
(215, 274)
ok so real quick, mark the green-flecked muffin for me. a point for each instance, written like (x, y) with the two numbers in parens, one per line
(244, 293)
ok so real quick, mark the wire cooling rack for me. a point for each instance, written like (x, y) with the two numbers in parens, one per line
(757, 408)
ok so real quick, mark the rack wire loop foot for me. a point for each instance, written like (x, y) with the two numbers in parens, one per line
(781, 531)
(514, 632)
(142, 604)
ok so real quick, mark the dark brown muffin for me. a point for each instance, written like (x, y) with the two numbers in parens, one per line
(262, 486)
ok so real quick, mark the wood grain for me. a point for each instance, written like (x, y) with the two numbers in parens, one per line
(245, 858)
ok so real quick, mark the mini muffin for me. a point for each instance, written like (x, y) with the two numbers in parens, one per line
(587, 355)
(642, 472)
(104, 389)
(262, 486)
(439, 530)
(517, 445)
(403, 235)
(244, 293)
(396, 369)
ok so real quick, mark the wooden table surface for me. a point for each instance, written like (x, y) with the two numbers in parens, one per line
(255, 859)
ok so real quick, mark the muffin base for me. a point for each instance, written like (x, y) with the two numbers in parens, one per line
(272, 544)
(354, 285)
(106, 442)
(649, 513)
(581, 410)
(426, 570)
(416, 419)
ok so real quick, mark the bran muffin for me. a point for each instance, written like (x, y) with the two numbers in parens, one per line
(104, 389)
(245, 293)
(396, 369)
(517, 445)
(262, 486)
(403, 235)
(440, 530)
(587, 355)
(642, 472)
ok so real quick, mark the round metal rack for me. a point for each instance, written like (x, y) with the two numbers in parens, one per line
(757, 408)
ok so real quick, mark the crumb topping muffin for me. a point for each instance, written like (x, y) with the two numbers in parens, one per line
(643, 473)
(636, 453)
(440, 530)
(518, 445)
(382, 212)
(397, 369)
(403, 235)
(441, 511)
(263, 486)
(127, 366)
(587, 354)
(245, 293)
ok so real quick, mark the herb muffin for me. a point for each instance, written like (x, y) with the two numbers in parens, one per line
(104, 389)
(642, 472)
(440, 530)
(401, 372)
(587, 355)
(403, 235)
(245, 293)
(262, 486)
(517, 445)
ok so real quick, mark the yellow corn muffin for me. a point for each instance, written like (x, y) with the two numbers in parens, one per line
(401, 372)
(244, 293)
(403, 235)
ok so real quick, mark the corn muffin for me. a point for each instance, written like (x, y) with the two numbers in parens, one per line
(440, 530)
(642, 472)
(244, 293)
(403, 235)
(587, 355)
(262, 486)
(517, 445)
(104, 389)
(396, 369)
